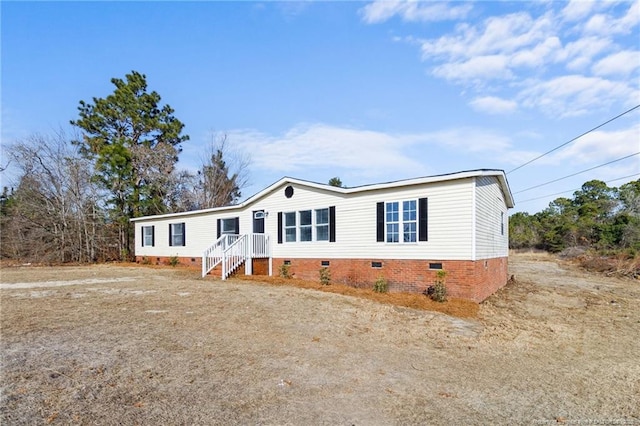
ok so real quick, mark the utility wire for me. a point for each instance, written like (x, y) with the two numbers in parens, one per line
(577, 137)
(577, 173)
(577, 189)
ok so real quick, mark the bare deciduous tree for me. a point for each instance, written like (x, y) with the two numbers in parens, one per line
(223, 175)
(55, 212)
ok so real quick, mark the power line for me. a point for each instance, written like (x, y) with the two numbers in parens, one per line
(577, 173)
(577, 189)
(577, 137)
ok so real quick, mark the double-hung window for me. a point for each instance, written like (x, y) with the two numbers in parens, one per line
(147, 236)
(322, 224)
(306, 227)
(392, 215)
(401, 221)
(290, 227)
(176, 234)
(409, 218)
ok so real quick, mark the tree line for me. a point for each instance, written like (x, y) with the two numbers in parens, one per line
(598, 217)
(75, 196)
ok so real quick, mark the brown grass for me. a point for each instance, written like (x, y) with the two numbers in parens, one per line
(166, 347)
(611, 266)
(455, 307)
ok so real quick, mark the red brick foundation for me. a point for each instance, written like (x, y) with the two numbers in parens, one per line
(165, 260)
(473, 280)
(466, 279)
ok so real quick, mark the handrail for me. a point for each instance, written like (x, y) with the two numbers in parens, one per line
(213, 255)
(233, 256)
(231, 250)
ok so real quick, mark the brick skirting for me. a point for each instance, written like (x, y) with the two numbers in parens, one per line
(466, 279)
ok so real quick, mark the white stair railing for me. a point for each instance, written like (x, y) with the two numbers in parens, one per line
(232, 250)
(259, 245)
(234, 255)
(213, 255)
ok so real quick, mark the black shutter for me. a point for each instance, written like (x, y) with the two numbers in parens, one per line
(170, 235)
(153, 235)
(142, 229)
(236, 225)
(218, 226)
(184, 234)
(423, 219)
(380, 222)
(279, 227)
(332, 224)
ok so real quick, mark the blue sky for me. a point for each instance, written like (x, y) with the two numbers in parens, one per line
(367, 91)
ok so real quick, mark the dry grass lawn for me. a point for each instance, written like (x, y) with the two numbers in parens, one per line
(110, 345)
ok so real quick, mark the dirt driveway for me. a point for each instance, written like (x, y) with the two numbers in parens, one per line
(132, 345)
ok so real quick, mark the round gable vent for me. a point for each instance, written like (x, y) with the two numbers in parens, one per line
(288, 191)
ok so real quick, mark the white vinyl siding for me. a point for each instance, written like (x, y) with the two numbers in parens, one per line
(450, 223)
(492, 239)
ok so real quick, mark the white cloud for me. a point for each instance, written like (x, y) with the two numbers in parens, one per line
(412, 11)
(576, 10)
(562, 61)
(479, 68)
(470, 139)
(538, 55)
(580, 53)
(620, 63)
(599, 147)
(366, 156)
(493, 105)
(316, 146)
(606, 24)
(493, 49)
(496, 35)
(574, 95)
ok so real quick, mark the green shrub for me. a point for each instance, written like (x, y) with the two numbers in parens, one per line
(438, 291)
(325, 276)
(174, 261)
(145, 260)
(381, 285)
(284, 271)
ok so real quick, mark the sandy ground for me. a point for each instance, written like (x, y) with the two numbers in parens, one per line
(132, 345)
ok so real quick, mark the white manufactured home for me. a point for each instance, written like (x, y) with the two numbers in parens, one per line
(405, 231)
